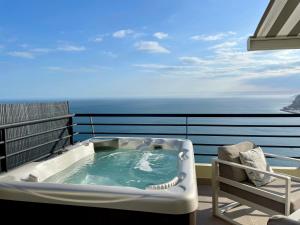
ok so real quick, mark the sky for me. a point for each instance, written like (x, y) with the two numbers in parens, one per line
(135, 49)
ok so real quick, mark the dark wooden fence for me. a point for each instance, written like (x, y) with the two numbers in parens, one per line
(31, 132)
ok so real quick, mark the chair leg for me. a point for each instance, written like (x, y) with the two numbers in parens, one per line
(215, 203)
(219, 213)
(215, 195)
(215, 189)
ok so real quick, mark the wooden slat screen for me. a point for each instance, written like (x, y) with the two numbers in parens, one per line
(21, 144)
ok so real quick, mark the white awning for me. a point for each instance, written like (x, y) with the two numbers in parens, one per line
(279, 28)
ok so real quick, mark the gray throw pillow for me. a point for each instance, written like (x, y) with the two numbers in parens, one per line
(230, 153)
(255, 158)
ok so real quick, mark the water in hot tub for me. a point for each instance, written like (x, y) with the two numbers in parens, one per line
(121, 167)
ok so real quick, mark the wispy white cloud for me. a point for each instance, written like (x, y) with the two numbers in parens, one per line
(192, 60)
(160, 35)
(71, 48)
(231, 62)
(41, 50)
(151, 47)
(55, 68)
(24, 45)
(225, 45)
(98, 39)
(109, 54)
(31, 53)
(93, 69)
(22, 54)
(213, 37)
(151, 67)
(122, 33)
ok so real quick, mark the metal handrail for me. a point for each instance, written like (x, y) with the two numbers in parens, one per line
(196, 134)
(30, 122)
(187, 124)
(185, 115)
(183, 125)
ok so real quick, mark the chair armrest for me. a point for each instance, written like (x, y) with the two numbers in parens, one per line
(284, 199)
(280, 176)
(282, 157)
(296, 179)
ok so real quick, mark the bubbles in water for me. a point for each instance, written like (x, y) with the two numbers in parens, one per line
(122, 167)
(92, 179)
(144, 164)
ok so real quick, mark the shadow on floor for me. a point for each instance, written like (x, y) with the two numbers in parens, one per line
(242, 214)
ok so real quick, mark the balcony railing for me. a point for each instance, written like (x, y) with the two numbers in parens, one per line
(271, 131)
(274, 132)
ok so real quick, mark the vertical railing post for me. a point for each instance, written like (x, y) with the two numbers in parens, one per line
(3, 150)
(186, 127)
(92, 126)
(70, 129)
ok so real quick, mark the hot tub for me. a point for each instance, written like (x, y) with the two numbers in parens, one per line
(67, 184)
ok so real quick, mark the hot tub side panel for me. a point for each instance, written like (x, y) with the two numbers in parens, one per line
(53, 213)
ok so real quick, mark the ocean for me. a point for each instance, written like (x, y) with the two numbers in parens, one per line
(189, 105)
(198, 105)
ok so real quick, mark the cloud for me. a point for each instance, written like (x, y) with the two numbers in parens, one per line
(160, 35)
(22, 54)
(225, 45)
(214, 37)
(158, 67)
(55, 68)
(41, 50)
(77, 70)
(71, 48)
(194, 60)
(109, 54)
(24, 45)
(150, 47)
(122, 33)
(229, 61)
(98, 39)
(34, 52)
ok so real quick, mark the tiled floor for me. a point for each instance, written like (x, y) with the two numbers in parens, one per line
(243, 214)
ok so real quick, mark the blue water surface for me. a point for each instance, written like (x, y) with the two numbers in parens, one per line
(122, 167)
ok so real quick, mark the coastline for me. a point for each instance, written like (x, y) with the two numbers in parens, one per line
(294, 107)
(293, 111)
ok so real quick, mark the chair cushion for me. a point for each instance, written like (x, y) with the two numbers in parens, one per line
(230, 153)
(276, 187)
(282, 220)
(255, 158)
